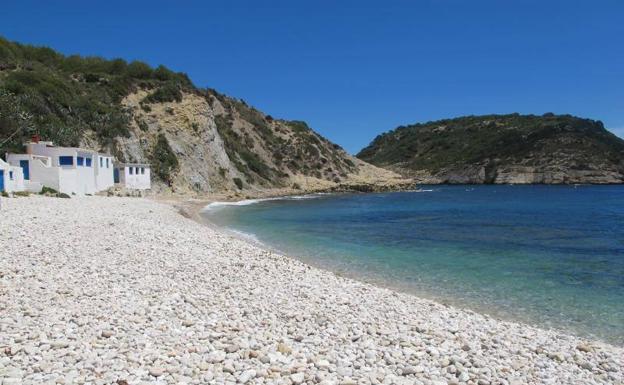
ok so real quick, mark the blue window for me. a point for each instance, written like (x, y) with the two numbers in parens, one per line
(101, 162)
(88, 162)
(136, 170)
(80, 161)
(107, 162)
(142, 170)
(66, 160)
(11, 175)
(25, 169)
(131, 169)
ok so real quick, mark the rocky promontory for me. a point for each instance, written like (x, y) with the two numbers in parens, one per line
(516, 149)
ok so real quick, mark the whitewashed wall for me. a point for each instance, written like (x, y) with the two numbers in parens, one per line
(104, 174)
(14, 183)
(136, 181)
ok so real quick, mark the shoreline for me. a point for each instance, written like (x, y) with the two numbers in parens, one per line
(144, 294)
(492, 312)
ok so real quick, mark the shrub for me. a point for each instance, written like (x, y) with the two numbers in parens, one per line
(164, 161)
(62, 195)
(117, 67)
(238, 182)
(255, 164)
(139, 70)
(21, 193)
(163, 73)
(91, 78)
(169, 92)
(141, 123)
(48, 190)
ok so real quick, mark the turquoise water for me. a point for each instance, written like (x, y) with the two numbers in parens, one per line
(552, 256)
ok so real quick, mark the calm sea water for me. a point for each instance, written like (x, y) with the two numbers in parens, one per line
(552, 256)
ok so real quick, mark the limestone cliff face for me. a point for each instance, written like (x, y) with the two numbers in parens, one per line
(506, 149)
(221, 144)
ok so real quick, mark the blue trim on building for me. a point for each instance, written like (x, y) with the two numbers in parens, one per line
(24, 164)
(66, 160)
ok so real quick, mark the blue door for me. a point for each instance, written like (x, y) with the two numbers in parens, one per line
(1, 180)
(25, 168)
(116, 175)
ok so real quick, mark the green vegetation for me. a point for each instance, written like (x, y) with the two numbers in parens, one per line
(164, 161)
(141, 123)
(240, 152)
(168, 92)
(238, 182)
(60, 97)
(502, 139)
(48, 190)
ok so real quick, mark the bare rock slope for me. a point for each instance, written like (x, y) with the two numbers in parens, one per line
(221, 144)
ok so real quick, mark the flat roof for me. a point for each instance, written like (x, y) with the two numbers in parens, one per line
(51, 145)
(133, 164)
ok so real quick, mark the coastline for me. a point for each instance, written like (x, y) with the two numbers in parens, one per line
(177, 301)
(489, 311)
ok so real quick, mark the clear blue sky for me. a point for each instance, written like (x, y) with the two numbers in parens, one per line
(353, 69)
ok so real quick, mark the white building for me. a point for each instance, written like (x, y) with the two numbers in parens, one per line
(135, 176)
(11, 178)
(69, 170)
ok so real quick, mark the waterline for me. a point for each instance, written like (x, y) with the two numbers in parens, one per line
(548, 255)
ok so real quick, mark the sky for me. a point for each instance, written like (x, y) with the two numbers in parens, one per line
(355, 69)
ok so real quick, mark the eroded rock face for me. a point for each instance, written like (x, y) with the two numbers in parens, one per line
(190, 129)
(221, 144)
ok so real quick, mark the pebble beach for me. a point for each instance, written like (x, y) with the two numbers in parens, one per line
(100, 290)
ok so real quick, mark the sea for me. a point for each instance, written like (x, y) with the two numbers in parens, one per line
(549, 256)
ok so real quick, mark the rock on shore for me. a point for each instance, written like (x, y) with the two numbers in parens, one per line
(127, 291)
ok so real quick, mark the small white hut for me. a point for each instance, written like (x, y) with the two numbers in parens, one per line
(133, 176)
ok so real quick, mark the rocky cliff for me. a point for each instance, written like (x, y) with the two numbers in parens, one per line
(222, 144)
(197, 140)
(548, 149)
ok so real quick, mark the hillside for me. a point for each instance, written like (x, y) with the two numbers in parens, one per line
(551, 149)
(197, 140)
